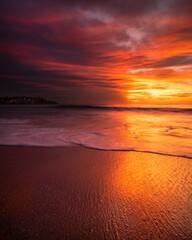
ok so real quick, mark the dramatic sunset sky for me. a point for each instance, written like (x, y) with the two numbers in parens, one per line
(114, 52)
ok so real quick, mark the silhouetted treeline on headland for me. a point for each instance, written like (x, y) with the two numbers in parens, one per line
(25, 100)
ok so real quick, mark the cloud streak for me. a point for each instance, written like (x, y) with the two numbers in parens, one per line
(107, 48)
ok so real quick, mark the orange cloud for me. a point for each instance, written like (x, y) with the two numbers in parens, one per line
(138, 52)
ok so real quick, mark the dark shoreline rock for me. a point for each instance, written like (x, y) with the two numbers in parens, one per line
(25, 100)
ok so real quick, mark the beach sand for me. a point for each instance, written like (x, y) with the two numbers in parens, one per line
(78, 193)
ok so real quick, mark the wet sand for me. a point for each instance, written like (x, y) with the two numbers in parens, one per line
(78, 193)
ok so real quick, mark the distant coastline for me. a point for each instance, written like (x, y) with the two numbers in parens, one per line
(25, 100)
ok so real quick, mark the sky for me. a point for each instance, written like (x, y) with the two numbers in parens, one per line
(95, 52)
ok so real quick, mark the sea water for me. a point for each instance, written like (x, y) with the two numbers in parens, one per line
(78, 193)
(164, 130)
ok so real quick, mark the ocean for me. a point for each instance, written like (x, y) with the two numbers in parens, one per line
(57, 186)
(164, 130)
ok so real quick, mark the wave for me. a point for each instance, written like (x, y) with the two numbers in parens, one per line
(133, 150)
(147, 131)
(159, 109)
(69, 144)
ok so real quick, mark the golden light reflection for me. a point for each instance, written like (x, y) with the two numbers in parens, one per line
(149, 131)
(149, 188)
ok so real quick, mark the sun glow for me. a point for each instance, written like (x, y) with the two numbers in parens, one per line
(132, 57)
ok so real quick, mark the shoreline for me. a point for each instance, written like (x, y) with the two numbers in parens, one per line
(74, 192)
(96, 149)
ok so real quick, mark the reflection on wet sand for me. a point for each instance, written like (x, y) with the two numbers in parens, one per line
(78, 193)
(151, 195)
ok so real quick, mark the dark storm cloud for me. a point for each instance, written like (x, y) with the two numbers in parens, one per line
(42, 37)
(17, 76)
(65, 41)
(112, 6)
(27, 9)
